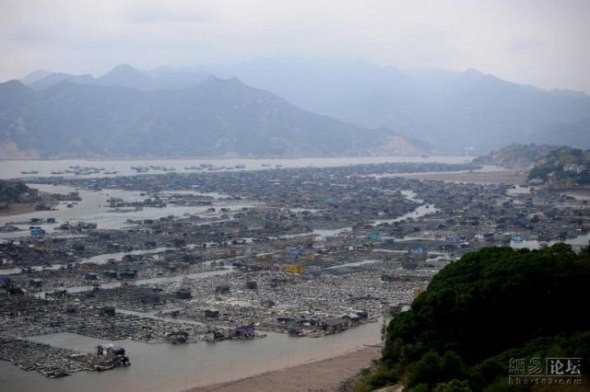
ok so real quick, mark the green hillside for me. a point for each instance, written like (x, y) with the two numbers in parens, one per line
(479, 312)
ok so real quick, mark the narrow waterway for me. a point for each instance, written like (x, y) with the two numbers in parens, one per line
(98, 259)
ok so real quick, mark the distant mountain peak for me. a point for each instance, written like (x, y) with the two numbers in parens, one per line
(57, 77)
(124, 75)
(122, 69)
(232, 83)
(13, 91)
(14, 83)
(233, 79)
(34, 76)
(220, 117)
(124, 66)
(473, 72)
(14, 87)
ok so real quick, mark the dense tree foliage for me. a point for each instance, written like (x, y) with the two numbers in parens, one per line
(477, 313)
(11, 191)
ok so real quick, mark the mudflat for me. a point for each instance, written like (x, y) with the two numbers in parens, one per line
(325, 375)
(508, 176)
(16, 209)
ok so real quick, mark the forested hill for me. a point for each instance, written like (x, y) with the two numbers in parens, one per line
(479, 312)
(563, 167)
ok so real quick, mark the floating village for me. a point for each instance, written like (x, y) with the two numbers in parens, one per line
(212, 254)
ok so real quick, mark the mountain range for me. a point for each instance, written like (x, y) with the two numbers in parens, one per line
(395, 112)
(450, 110)
(123, 115)
(122, 75)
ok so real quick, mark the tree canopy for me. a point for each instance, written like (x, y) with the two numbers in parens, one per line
(10, 191)
(488, 307)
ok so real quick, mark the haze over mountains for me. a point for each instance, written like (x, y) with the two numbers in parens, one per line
(123, 75)
(186, 112)
(450, 110)
(122, 115)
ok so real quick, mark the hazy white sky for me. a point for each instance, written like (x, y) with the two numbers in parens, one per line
(543, 42)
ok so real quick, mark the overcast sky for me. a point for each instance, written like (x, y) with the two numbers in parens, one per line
(544, 43)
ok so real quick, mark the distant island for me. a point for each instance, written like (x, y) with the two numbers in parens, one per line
(480, 312)
(515, 156)
(562, 167)
(555, 166)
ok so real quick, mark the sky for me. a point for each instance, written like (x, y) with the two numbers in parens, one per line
(543, 43)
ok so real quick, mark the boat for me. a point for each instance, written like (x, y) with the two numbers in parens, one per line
(110, 357)
(140, 169)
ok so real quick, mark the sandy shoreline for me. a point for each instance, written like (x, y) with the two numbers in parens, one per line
(324, 375)
(17, 209)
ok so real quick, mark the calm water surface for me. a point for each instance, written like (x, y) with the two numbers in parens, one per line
(14, 169)
(165, 367)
